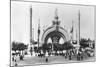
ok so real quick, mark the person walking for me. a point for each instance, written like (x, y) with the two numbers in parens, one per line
(16, 63)
(70, 55)
(79, 56)
(46, 54)
(15, 60)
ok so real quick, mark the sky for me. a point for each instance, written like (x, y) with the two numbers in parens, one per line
(20, 19)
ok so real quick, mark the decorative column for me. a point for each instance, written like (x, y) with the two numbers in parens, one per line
(78, 33)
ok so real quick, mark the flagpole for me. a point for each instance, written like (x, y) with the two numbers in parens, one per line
(33, 34)
(72, 31)
(38, 32)
(79, 26)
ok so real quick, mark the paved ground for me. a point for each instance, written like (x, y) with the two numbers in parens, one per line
(52, 59)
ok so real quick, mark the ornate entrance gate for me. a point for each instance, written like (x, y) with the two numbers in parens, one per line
(55, 32)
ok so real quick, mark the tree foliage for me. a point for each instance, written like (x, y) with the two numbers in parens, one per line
(18, 46)
(67, 46)
(84, 43)
(60, 47)
(14, 46)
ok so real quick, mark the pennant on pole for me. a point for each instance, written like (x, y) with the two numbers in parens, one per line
(72, 28)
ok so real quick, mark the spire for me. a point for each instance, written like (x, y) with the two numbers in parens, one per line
(56, 21)
(56, 14)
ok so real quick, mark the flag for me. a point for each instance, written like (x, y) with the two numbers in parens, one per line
(39, 30)
(71, 30)
(39, 27)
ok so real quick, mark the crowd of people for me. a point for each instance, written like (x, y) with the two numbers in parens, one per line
(67, 54)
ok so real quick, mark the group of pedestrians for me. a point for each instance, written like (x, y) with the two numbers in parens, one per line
(16, 57)
(69, 54)
(74, 53)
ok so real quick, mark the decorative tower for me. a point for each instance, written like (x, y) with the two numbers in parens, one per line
(56, 21)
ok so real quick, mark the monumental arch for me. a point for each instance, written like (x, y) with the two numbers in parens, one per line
(55, 32)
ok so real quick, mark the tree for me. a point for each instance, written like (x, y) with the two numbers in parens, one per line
(58, 47)
(14, 46)
(18, 46)
(21, 47)
(84, 43)
(46, 47)
(67, 46)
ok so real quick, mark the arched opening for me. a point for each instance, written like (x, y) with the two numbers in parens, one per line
(55, 37)
(61, 40)
(49, 40)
